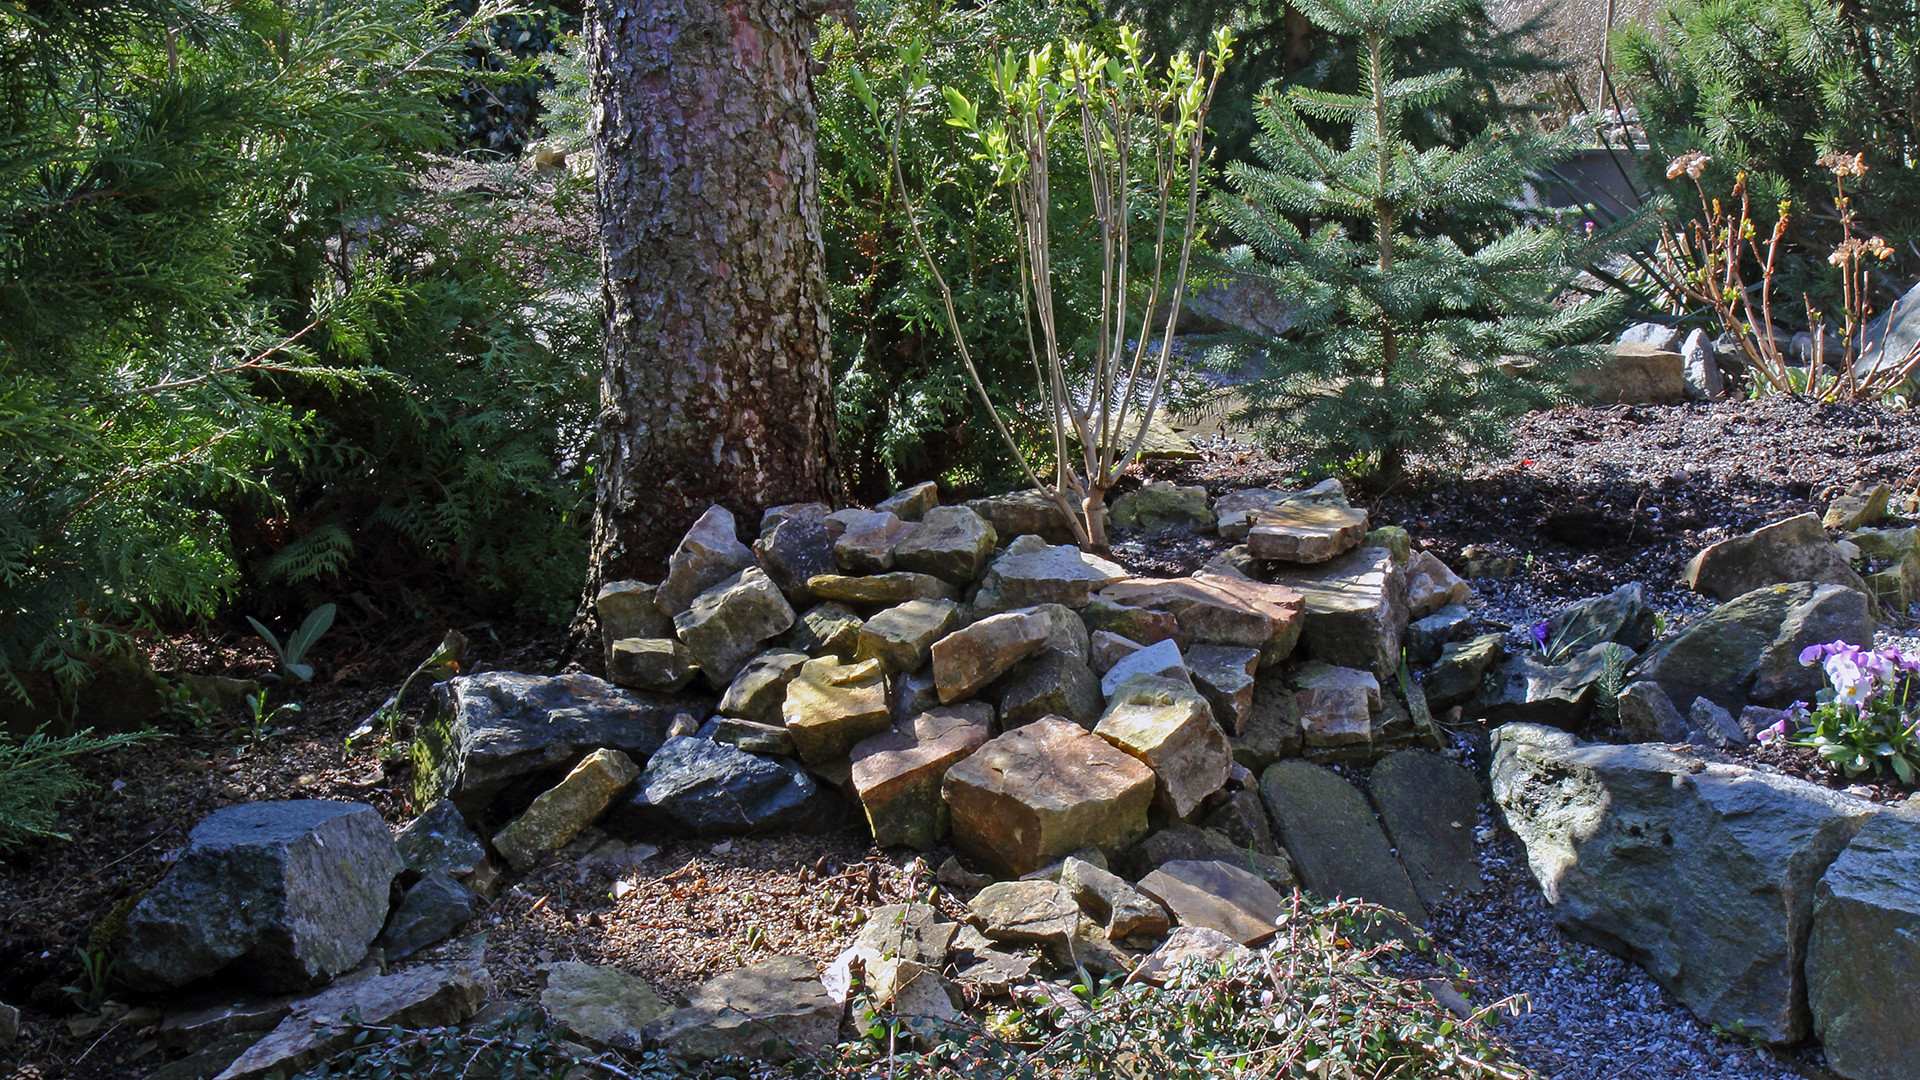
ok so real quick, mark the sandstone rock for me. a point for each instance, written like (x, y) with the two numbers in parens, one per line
(1395, 539)
(1702, 873)
(709, 554)
(775, 1010)
(880, 590)
(1272, 728)
(897, 773)
(627, 610)
(503, 733)
(912, 503)
(726, 625)
(1527, 689)
(912, 932)
(867, 539)
(1622, 615)
(1169, 728)
(439, 840)
(1142, 626)
(1048, 575)
(1648, 715)
(1216, 896)
(1025, 912)
(1429, 807)
(324, 1024)
(748, 735)
(433, 908)
(912, 694)
(1890, 545)
(1224, 675)
(1162, 661)
(1356, 610)
(965, 661)
(1162, 503)
(830, 706)
(1863, 956)
(1338, 848)
(1066, 633)
(901, 636)
(283, 895)
(1796, 549)
(1107, 896)
(1634, 373)
(758, 691)
(661, 664)
(1191, 843)
(1432, 586)
(796, 547)
(1426, 637)
(1234, 512)
(1105, 650)
(697, 787)
(559, 815)
(1043, 791)
(1051, 683)
(1025, 513)
(1748, 650)
(1186, 948)
(953, 543)
(1305, 534)
(1865, 503)
(1462, 669)
(827, 629)
(1212, 609)
(603, 1007)
(1336, 704)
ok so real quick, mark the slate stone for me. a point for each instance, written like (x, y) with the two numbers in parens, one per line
(1338, 848)
(1647, 715)
(1865, 503)
(1217, 896)
(1430, 807)
(434, 907)
(603, 1007)
(749, 736)
(1243, 820)
(867, 539)
(1863, 955)
(1105, 650)
(282, 895)
(323, 1025)
(696, 787)
(440, 840)
(1108, 897)
(1305, 534)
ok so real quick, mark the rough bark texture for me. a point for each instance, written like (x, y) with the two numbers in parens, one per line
(716, 382)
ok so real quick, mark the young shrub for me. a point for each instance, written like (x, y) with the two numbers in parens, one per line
(1427, 311)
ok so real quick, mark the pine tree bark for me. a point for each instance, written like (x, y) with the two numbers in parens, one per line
(716, 381)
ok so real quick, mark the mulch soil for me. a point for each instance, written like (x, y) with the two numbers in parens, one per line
(1589, 498)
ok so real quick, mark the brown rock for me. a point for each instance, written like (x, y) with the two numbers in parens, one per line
(830, 706)
(901, 636)
(965, 661)
(1216, 896)
(1305, 534)
(897, 773)
(1171, 730)
(1214, 609)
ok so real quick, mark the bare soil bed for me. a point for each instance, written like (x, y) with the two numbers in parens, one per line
(1589, 499)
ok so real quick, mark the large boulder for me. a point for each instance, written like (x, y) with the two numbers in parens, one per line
(830, 706)
(1170, 729)
(897, 773)
(1356, 609)
(1338, 848)
(709, 554)
(1217, 609)
(1796, 549)
(951, 543)
(1702, 873)
(1305, 534)
(1863, 955)
(965, 661)
(1429, 806)
(283, 895)
(775, 1010)
(1044, 791)
(565, 810)
(1748, 650)
(1030, 574)
(698, 787)
(726, 625)
(501, 733)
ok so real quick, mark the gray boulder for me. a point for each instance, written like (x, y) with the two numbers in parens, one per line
(1748, 650)
(1702, 873)
(1462, 669)
(1527, 689)
(325, 1024)
(696, 787)
(283, 895)
(433, 908)
(1796, 549)
(440, 840)
(1356, 609)
(1863, 955)
(797, 547)
(1429, 806)
(709, 554)
(952, 543)
(1051, 683)
(1621, 615)
(1703, 376)
(727, 624)
(1024, 513)
(1648, 715)
(1426, 637)
(1045, 575)
(627, 610)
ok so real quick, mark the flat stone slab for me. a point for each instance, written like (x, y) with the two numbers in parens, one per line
(775, 1010)
(1356, 609)
(1216, 609)
(1216, 896)
(1025, 912)
(319, 1027)
(1186, 948)
(602, 1006)
(879, 590)
(1045, 575)
(1430, 806)
(1338, 848)
(1305, 534)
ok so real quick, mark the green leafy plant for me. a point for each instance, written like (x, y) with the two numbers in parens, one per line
(261, 720)
(37, 774)
(1413, 278)
(1867, 719)
(293, 654)
(89, 992)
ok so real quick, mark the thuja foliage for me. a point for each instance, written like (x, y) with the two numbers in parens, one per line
(1768, 88)
(1415, 282)
(244, 351)
(37, 774)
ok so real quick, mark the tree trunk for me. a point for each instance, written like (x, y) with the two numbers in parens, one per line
(716, 381)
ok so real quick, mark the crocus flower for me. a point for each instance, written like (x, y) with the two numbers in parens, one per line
(1540, 635)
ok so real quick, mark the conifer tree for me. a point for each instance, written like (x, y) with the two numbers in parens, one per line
(1407, 337)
